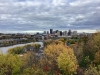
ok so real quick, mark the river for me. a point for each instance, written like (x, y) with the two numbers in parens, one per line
(4, 49)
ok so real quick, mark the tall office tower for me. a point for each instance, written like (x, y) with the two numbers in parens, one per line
(69, 33)
(47, 32)
(44, 32)
(57, 31)
(60, 33)
(51, 31)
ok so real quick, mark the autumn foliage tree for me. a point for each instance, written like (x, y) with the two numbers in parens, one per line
(67, 61)
(92, 70)
(97, 57)
(86, 49)
(16, 50)
(10, 64)
(61, 56)
(63, 40)
(92, 45)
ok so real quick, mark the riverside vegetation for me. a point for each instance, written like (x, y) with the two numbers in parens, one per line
(78, 58)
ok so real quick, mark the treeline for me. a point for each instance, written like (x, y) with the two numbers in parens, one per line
(13, 39)
(6, 42)
(79, 58)
(23, 49)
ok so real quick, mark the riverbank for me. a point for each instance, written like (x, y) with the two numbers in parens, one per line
(10, 42)
(4, 49)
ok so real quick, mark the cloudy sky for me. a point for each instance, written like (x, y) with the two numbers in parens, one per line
(40, 15)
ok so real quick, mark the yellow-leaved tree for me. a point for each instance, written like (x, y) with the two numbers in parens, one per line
(52, 51)
(67, 61)
(97, 57)
(10, 64)
(62, 56)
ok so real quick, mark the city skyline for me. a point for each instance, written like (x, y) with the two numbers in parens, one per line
(33, 16)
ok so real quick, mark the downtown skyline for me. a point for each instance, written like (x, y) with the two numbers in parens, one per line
(33, 16)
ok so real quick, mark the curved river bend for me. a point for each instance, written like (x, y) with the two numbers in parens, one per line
(4, 49)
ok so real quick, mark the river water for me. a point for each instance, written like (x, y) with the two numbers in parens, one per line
(4, 49)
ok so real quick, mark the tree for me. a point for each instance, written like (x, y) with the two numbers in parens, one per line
(36, 47)
(92, 70)
(52, 51)
(31, 65)
(56, 52)
(92, 45)
(97, 57)
(48, 42)
(10, 64)
(16, 50)
(28, 59)
(63, 40)
(67, 61)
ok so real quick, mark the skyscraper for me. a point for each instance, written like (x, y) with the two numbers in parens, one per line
(60, 33)
(69, 33)
(51, 31)
(47, 32)
(44, 32)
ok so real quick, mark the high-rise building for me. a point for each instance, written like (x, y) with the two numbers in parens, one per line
(60, 33)
(44, 32)
(69, 33)
(57, 31)
(47, 32)
(51, 31)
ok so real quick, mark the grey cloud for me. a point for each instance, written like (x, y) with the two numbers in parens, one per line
(26, 15)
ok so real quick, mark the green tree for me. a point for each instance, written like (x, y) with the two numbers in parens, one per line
(16, 50)
(10, 64)
(92, 45)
